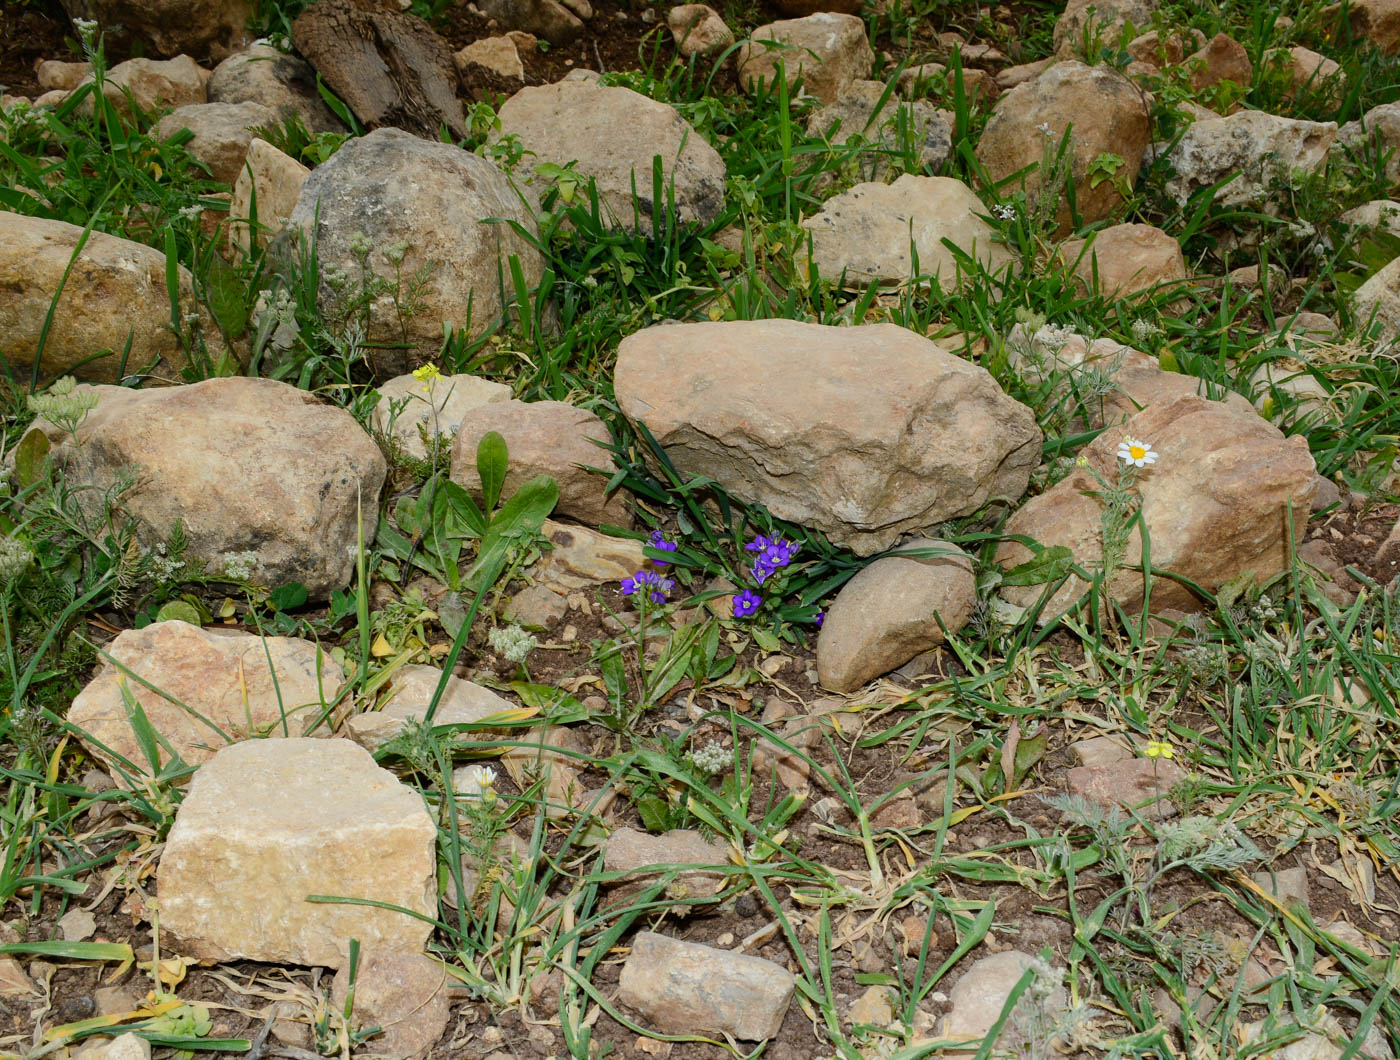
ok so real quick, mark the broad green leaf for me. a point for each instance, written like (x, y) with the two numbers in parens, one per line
(226, 295)
(463, 509)
(1029, 751)
(1047, 565)
(30, 455)
(179, 609)
(492, 461)
(520, 517)
(286, 597)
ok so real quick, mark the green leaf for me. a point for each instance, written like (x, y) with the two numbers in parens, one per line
(1029, 751)
(1047, 565)
(654, 811)
(30, 455)
(73, 951)
(226, 296)
(286, 597)
(520, 517)
(459, 502)
(766, 640)
(492, 462)
(179, 609)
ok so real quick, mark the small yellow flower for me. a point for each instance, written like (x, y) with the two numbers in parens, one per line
(1159, 749)
(427, 375)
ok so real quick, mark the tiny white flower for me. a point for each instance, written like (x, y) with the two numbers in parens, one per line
(475, 782)
(1136, 453)
(1044, 127)
(1005, 211)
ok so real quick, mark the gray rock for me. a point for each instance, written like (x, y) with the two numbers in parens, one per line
(1383, 214)
(407, 994)
(685, 988)
(1257, 149)
(285, 83)
(267, 823)
(1101, 22)
(982, 991)
(826, 51)
(153, 84)
(222, 133)
(1289, 886)
(580, 558)
(129, 1046)
(865, 433)
(887, 129)
(1101, 751)
(630, 851)
(1376, 303)
(614, 134)
(536, 606)
(544, 18)
(245, 465)
(892, 610)
(866, 232)
(271, 181)
(410, 693)
(698, 30)
(410, 410)
(433, 202)
(1375, 134)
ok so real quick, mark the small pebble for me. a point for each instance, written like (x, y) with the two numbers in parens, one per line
(648, 16)
(746, 906)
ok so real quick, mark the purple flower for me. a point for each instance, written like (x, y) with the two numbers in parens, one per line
(746, 603)
(658, 541)
(819, 618)
(773, 553)
(648, 581)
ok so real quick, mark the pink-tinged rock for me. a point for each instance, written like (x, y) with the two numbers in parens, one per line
(407, 994)
(1140, 784)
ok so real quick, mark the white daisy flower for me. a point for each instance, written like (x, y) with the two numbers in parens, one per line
(475, 781)
(1136, 453)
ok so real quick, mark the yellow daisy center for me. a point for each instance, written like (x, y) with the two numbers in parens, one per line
(1137, 452)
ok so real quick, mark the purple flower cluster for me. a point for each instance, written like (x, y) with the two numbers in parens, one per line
(648, 581)
(773, 554)
(658, 541)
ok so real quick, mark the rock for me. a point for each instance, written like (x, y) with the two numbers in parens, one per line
(410, 693)
(1376, 132)
(1124, 260)
(1289, 886)
(1313, 76)
(872, 1008)
(581, 558)
(498, 56)
(873, 432)
(268, 185)
(116, 291)
(613, 134)
(865, 233)
(1256, 148)
(1376, 303)
(802, 8)
(1221, 59)
(407, 994)
(196, 684)
(169, 27)
(222, 133)
(1101, 751)
(1383, 214)
(390, 67)
(433, 201)
(981, 992)
(1139, 784)
(1098, 22)
(1217, 503)
(1325, 1039)
(1105, 115)
(686, 988)
(154, 84)
(826, 51)
(408, 411)
(1163, 50)
(552, 753)
(285, 83)
(916, 81)
(892, 610)
(888, 129)
(246, 466)
(268, 822)
(629, 851)
(545, 438)
(536, 606)
(1285, 389)
(129, 1046)
(1019, 75)
(544, 18)
(698, 30)
(1376, 21)
(52, 74)
(76, 925)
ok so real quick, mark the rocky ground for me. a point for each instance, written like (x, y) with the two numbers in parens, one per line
(540, 529)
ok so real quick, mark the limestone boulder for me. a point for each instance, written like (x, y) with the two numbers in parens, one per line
(614, 134)
(580, 558)
(203, 28)
(1098, 23)
(1160, 50)
(1258, 150)
(1126, 260)
(1376, 21)
(633, 854)
(264, 194)
(698, 29)
(1375, 134)
(1313, 75)
(221, 133)
(685, 988)
(1223, 498)
(1104, 113)
(1382, 214)
(286, 83)
(898, 607)
(411, 412)
(1137, 784)
(866, 233)
(865, 433)
(444, 210)
(551, 20)
(889, 128)
(245, 466)
(155, 84)
(407, 995)
(1221, 59)
(115, 292)
(546, 438)
(1376, 303)
(267, 823)
(200, 689)
(54, 74)
(981, 992)
(826, 51)
(411, 693)
(497, 57)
